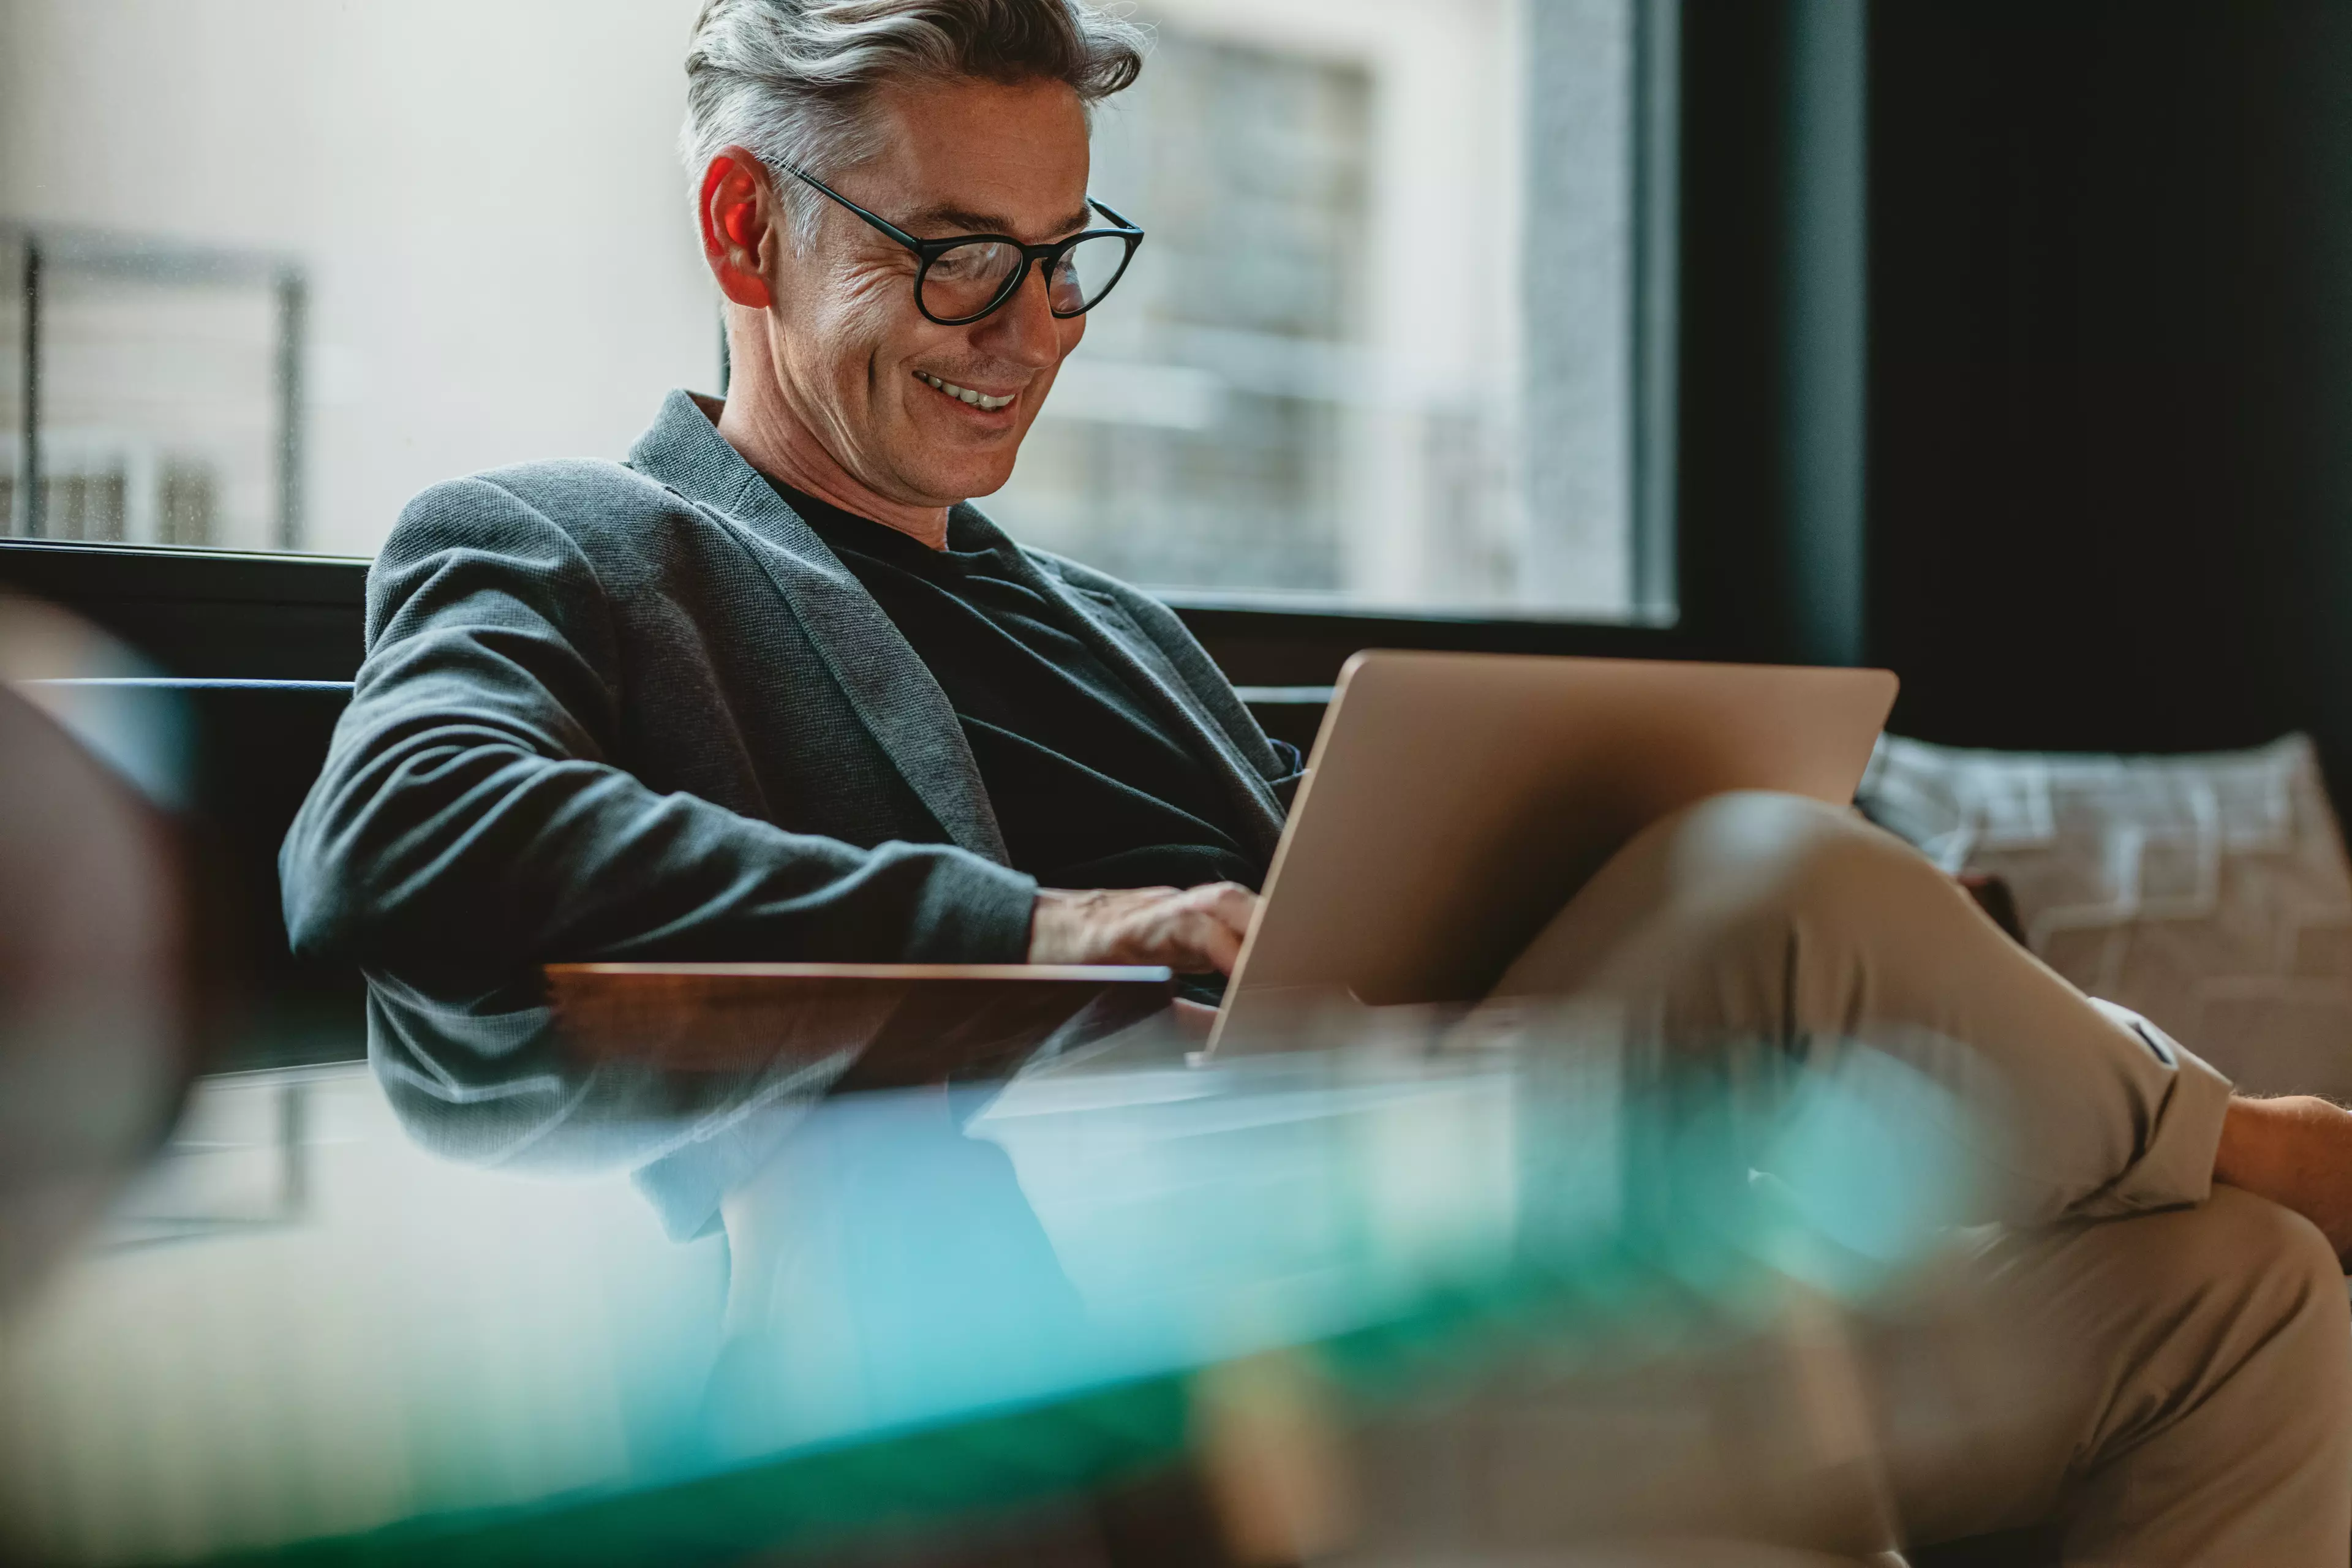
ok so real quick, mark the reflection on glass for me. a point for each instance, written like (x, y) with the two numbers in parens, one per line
(585, 1291)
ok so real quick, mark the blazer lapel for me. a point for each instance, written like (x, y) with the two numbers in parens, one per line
(893, 693)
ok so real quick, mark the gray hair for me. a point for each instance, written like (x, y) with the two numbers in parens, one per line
(791, 80)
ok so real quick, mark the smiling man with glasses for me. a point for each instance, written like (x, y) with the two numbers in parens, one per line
(774, 689)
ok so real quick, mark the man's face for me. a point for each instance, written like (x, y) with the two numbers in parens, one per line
(853, 352)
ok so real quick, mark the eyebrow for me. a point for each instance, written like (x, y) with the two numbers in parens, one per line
(963, 220)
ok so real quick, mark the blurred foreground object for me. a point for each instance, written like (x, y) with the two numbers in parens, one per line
(102, 989)
(1119, 1311)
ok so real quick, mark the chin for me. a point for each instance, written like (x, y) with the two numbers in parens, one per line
(988, 485)
(968, 481)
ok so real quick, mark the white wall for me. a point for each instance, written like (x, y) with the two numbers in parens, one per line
(484, 195)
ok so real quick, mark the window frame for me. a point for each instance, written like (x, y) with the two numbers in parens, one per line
(295, 617)
(44, 247)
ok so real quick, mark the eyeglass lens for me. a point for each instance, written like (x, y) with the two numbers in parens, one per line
(968, 279)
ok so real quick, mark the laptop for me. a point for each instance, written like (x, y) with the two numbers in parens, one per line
(1453, 802)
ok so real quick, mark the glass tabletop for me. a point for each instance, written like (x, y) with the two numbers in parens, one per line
(483, 1299)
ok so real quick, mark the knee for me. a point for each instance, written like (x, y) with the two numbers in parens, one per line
(2242, 1237)
(1780, 856)
(2266, 1260)
(1725, 885)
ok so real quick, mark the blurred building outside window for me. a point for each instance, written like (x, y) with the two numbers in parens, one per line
(1380, 348)
(153, 400)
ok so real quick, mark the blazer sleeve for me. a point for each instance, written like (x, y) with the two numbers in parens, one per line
(470, 817)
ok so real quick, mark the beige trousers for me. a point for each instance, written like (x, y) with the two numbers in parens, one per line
(2163, 1365)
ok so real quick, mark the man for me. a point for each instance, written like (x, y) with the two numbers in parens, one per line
(774, 689)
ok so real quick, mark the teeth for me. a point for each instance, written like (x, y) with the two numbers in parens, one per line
(977, 399)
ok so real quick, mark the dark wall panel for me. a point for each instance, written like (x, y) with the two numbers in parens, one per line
(1774, 300)
(1733, 533)
(2110, 279)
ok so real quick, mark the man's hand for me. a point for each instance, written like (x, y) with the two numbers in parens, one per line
(1191, 929)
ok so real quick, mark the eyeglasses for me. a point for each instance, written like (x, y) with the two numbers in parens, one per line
(965, 277)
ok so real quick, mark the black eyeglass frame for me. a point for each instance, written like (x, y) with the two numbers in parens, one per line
(930, 250)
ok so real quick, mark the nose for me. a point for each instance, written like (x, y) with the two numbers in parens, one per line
(1024, 329)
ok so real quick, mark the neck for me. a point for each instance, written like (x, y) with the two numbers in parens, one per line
(759, 421)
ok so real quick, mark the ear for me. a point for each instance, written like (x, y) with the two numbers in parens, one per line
(739, 229)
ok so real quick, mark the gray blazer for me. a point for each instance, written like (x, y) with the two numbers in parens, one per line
(641, 711)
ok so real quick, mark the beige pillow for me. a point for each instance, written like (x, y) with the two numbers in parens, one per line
(2210, 894)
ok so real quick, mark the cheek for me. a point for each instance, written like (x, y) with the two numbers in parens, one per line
(851, 331)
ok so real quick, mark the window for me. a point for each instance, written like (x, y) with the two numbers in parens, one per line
(153, 400)
(283, 265)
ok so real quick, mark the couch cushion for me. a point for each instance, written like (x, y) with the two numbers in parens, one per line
(2209, 892)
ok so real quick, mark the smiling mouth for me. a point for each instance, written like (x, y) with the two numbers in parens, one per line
(964, 394)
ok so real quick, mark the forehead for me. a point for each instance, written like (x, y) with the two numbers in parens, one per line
(954, 153)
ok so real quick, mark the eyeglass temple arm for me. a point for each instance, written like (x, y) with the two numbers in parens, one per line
(877, 219)
(909, 240)
(1122, 222)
